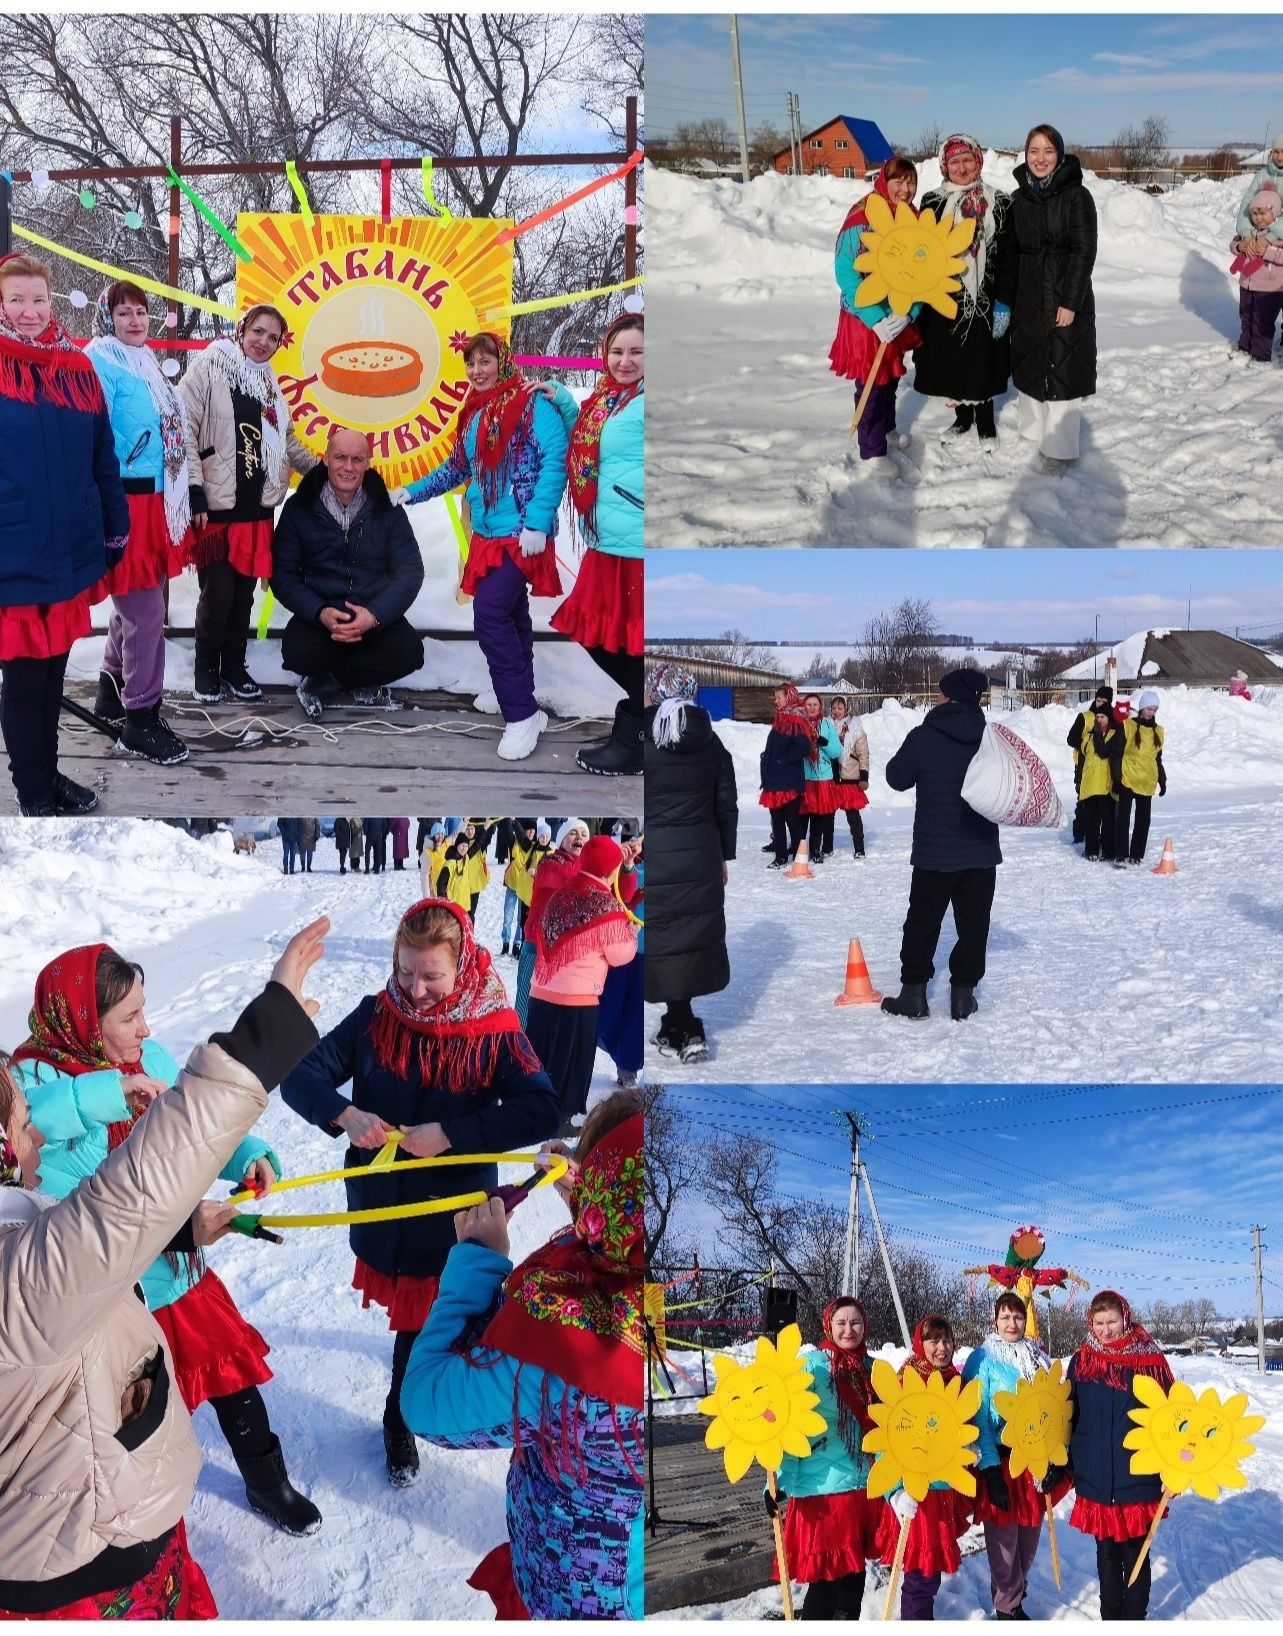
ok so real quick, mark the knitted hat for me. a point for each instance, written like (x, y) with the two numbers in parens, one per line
(1148, 700)
(543, 834)
(1268, 198)
(1240, 675)
(964, 686)
(958, 143)
(1103, 692)
(572, 823)
(601, 857)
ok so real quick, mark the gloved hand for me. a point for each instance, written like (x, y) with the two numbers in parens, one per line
(904, 1505)
(864, 779)
(774, 1503)
(1162, 783)
(114, 550)
(399, 497)
(1055, 1475)
(532, 542)
(996, 1483)
(886, 329)
(1001, 320)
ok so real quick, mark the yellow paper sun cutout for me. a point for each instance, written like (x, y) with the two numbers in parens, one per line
(921, 1432)
(907, 258)
(1036, 1417)
(1190, 1442)
(763, 1410)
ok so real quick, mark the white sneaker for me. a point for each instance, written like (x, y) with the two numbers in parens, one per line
(882, 466)
(520, 737)
(903, 440)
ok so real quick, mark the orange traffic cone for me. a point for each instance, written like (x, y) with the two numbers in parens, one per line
(801, 869)
(1167, 863)
(859, 990)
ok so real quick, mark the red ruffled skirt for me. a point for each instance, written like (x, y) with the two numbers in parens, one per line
(939, 1523)
(1028, 1505)
(150, 558)
(246, 546)
(770, 799)
(855, 347)
(849, 797)
(1120, 1522)
(176, 1588)
(829, 1535)
(215, 1350)
(820, 796)
(606, 605)
(493, 1575)
(408, 1300)
(43, 630)
(485, 553)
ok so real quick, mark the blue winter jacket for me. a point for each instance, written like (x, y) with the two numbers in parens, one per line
(621, 486)
(515, 1112)
(60, 501)
(536, 487)
(997, 1371)
(783, 763)
(947, 833)
(831, 1467)
(72, 1112)
(135, 423)
(1102, 1466)
(576, 1537)
(820, 771)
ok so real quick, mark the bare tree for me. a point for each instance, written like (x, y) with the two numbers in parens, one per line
(617, 41)
(898, 652)
(672, 1165)
(711, 139)
(1143, 148)
(928, 142)
(765, 141)
(734, 648)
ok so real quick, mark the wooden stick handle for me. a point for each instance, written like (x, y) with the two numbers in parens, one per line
(781, 1556)
(1052, 1542)
(868, 385)
(1149, 1537)
(897, 1567)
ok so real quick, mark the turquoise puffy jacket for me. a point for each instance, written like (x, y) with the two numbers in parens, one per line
(73, 1112)
(830, 1468)
(534, 492)
(621, 488)
(135, 424)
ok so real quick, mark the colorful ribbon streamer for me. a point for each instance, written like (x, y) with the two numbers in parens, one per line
(558, 300)
(183, 297)
(300, 192)
(430, 198)
(544, 362)
(265, 618)
(385, 167)
(456, 522)
(570, 199)
(203, 210)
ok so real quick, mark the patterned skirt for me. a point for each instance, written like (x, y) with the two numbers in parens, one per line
(175, 1588)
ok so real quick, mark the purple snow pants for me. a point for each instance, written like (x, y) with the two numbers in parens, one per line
(1011, 1553)
(1258, 312)
(135, 651)
(918, 1595)
(878, 419)
(501, 619)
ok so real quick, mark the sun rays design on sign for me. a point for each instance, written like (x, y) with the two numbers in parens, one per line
(1036, 1422)
(908, 258)
(921, 1433)
(763, 1410)
(1190, 1442)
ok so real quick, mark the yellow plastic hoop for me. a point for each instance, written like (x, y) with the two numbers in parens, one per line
(384, 1160)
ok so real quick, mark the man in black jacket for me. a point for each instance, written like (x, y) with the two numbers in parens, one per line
(347, 566)
(955, 851)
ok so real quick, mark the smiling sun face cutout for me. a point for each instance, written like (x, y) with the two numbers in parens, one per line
(762, 1410)
(1190, 1442)
(1036, 1417)
(921, 1432)
(907, 258)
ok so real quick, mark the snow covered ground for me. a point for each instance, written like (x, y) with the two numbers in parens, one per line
(1216, 1560)
(1195, 954)
(747, 427)
(207, 927)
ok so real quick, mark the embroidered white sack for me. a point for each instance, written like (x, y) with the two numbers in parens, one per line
(1008, 783)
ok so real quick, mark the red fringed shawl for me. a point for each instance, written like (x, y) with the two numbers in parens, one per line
(850, 1371)
(581, 918)
(791, 719)
(50, 368)
(1135, 1352)
(583, 460)
(505, 423)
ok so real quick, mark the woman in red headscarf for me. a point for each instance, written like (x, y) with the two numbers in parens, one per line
(1112, 1504)
(438, 1055)
(510, 450)
(831, 1525)
(555, 1373)
(606, 462)
(63, 524)
(790, 744)
(863, 331)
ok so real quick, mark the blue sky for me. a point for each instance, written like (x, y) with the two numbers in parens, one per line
(1213, 78)
(999, 596)
(1144, 1200)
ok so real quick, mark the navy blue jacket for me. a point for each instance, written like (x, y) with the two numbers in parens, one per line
(61, 500)
(515, 1111)
(783, 762)
(1102, 1466)
(947, 833)
(376, 564)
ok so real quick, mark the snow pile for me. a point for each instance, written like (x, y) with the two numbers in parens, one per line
(747, 427)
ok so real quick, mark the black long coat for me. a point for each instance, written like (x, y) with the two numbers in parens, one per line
(958, 357)
(1056, 239)
(691, 819)
(933, 760)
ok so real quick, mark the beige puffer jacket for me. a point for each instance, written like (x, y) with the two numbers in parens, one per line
(208, 401)
(75, 1338)
(855, 756)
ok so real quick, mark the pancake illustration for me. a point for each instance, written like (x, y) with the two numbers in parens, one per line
(372, 369)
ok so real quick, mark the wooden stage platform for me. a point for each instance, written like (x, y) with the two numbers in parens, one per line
(434, 754)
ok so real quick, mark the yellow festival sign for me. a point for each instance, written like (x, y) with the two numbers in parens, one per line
(377, 315)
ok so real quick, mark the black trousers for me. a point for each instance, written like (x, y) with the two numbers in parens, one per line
(401, 1347)
(825, 1597)
(1115, 1560)
(969, 892)
(29, 705)
(821, 833)
(564, 1038)
(1133, 847)
(376, 854)
(855, 823)
(1098, 826)
(223, 612)
(627, 669)
(383, 655)
(242, 1418)
(787, 828)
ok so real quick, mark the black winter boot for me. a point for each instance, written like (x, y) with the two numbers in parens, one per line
(984, 420)
(621, 754)
(236, 678)
(910, 1002)
(145, 735)
(402, 1455)
(964, 418)
(108, 703)
(207, 687)
(269, 1490)
(962, 1001)
(70, 799)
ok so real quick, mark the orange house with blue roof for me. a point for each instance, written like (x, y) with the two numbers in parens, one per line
(844, 146)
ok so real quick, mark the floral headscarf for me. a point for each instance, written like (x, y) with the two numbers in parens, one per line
(673, 688)
(505, 417)
(608, 397)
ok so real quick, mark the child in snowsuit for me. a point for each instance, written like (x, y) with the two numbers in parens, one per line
(1100, 747)
(790, 744)
(1258, 261)
(831, 1525)
(1269, 175)
(547, 1359)
(1112, 1505)
(1140, 772)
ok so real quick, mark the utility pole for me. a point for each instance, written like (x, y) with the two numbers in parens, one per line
(1257, 1247)
(739, 94)
(886, 1258)
(851, 1260)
